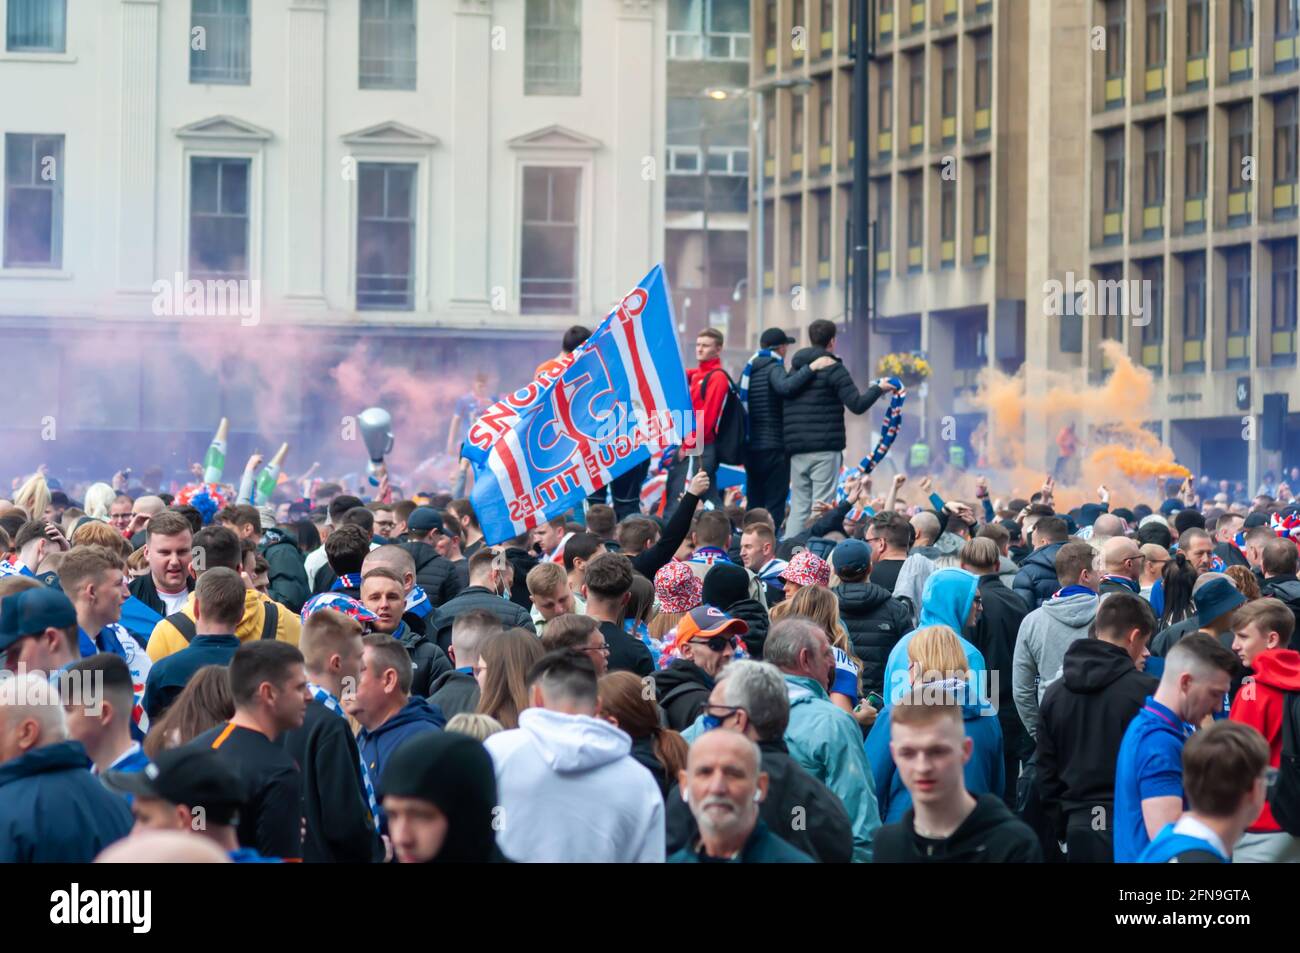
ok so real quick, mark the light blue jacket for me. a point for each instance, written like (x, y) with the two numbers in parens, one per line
(946, 601)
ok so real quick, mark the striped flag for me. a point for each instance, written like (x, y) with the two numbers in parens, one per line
(617, 399)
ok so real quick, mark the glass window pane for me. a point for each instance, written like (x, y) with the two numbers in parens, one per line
(234, 187)
(204, 174)
(564, 195)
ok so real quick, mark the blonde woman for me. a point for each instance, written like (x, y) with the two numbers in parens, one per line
(937, 669)
(34, 497)
(99, 498)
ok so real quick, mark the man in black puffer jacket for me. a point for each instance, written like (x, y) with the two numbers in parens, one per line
(814, 423)
(287, 577)
(489, 588)
(1037, 580)
(874, 618)
(727, 586)
(767, 468)
(435, 575)
(1280, 562)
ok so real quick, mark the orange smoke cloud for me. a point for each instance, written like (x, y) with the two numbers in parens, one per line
(1113, 445)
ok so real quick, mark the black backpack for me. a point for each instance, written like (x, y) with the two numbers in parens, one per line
(185, 625)
(732, 424)
(1284, 798)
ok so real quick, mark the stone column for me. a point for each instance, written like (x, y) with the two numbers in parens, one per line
(305, 159)
(470, 156)
(138, 147)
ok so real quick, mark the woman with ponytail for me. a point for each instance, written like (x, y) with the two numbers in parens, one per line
(624, 703)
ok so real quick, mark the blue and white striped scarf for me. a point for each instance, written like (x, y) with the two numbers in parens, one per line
(744, 377)
(326, 698)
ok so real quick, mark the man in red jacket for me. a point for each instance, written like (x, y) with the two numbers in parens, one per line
(1262, 630)
(708, 393)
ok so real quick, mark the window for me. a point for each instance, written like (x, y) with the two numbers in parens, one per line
(949, 83)
(1194, 157)
(1198, 29)
(1285, 140)
(980, 210)
(1284, 289)
(1241, 23)
(827, 16)
(1114, 171)
(916, 90)
(553, 48)
(769, 139)
(219, 219)
(884, 214)
(37, 26)
(33, 201)
(915, 221)
(388, 40)
(795, 208)
(1153, 272)
(769, 31)
(983, 70)
(385, 236)
(769, 253)
(825, 117)
(1283, 336)
(1153, 173)
(222, 32)
(1107, 304)
(947, 219)
(886, 112)
(796, 124)
(708, 29)
(1239, 137)
(1155, 33)
(548, 273)
(1238, 268)
(1286, 17)
(1115, 39)
(1194, 297)
(824, 226)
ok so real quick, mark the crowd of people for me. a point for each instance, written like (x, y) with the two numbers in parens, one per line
(803, 670)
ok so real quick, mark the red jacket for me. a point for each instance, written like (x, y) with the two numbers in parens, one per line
(709, 410)
(1276, 671)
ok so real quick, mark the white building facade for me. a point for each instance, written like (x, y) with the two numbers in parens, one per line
(421, 167)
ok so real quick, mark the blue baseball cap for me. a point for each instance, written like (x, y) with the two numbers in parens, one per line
(851, 556)
(31, 612)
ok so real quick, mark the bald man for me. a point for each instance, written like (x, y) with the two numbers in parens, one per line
(724, 784)
(142, 511)
(1107, 526)
(52, 809)
(927, 529)
(1121, 565)
(1154, 557)
(163, 847)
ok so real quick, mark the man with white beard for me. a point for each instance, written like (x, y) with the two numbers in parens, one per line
(724, 785)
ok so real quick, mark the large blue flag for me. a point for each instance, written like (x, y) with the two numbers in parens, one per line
(619, 397)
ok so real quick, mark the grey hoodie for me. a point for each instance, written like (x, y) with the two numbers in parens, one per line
(1040, 649)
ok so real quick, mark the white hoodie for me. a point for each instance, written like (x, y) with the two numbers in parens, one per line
(570, 791)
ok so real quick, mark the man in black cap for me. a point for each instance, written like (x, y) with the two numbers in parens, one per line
(38, 631)
(191, 790)
(434, 574)
(764, 386)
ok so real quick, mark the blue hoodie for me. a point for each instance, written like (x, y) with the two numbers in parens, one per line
(415, 716)
(946, 600)
(985, 771)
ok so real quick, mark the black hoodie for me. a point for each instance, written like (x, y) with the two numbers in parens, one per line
(682, 690)
(1083, 717)
(752, 613)
(876, 621)
(991, 834)
(1287, 588)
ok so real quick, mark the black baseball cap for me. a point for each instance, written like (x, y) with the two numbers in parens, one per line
(423, 519)
(194, 776)
(775, 337)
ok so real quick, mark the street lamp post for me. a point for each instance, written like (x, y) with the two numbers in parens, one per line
(862, 278)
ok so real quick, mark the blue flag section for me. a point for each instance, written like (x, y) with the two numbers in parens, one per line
(619, 398)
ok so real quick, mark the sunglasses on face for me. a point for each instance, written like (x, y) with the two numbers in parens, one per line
(717, 643)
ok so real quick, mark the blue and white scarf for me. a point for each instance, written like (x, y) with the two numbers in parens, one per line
(10, 569)
(417, 602)
(349, 580)
(772, 569)
(326, 698)
(744, 376)
(709, 556)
